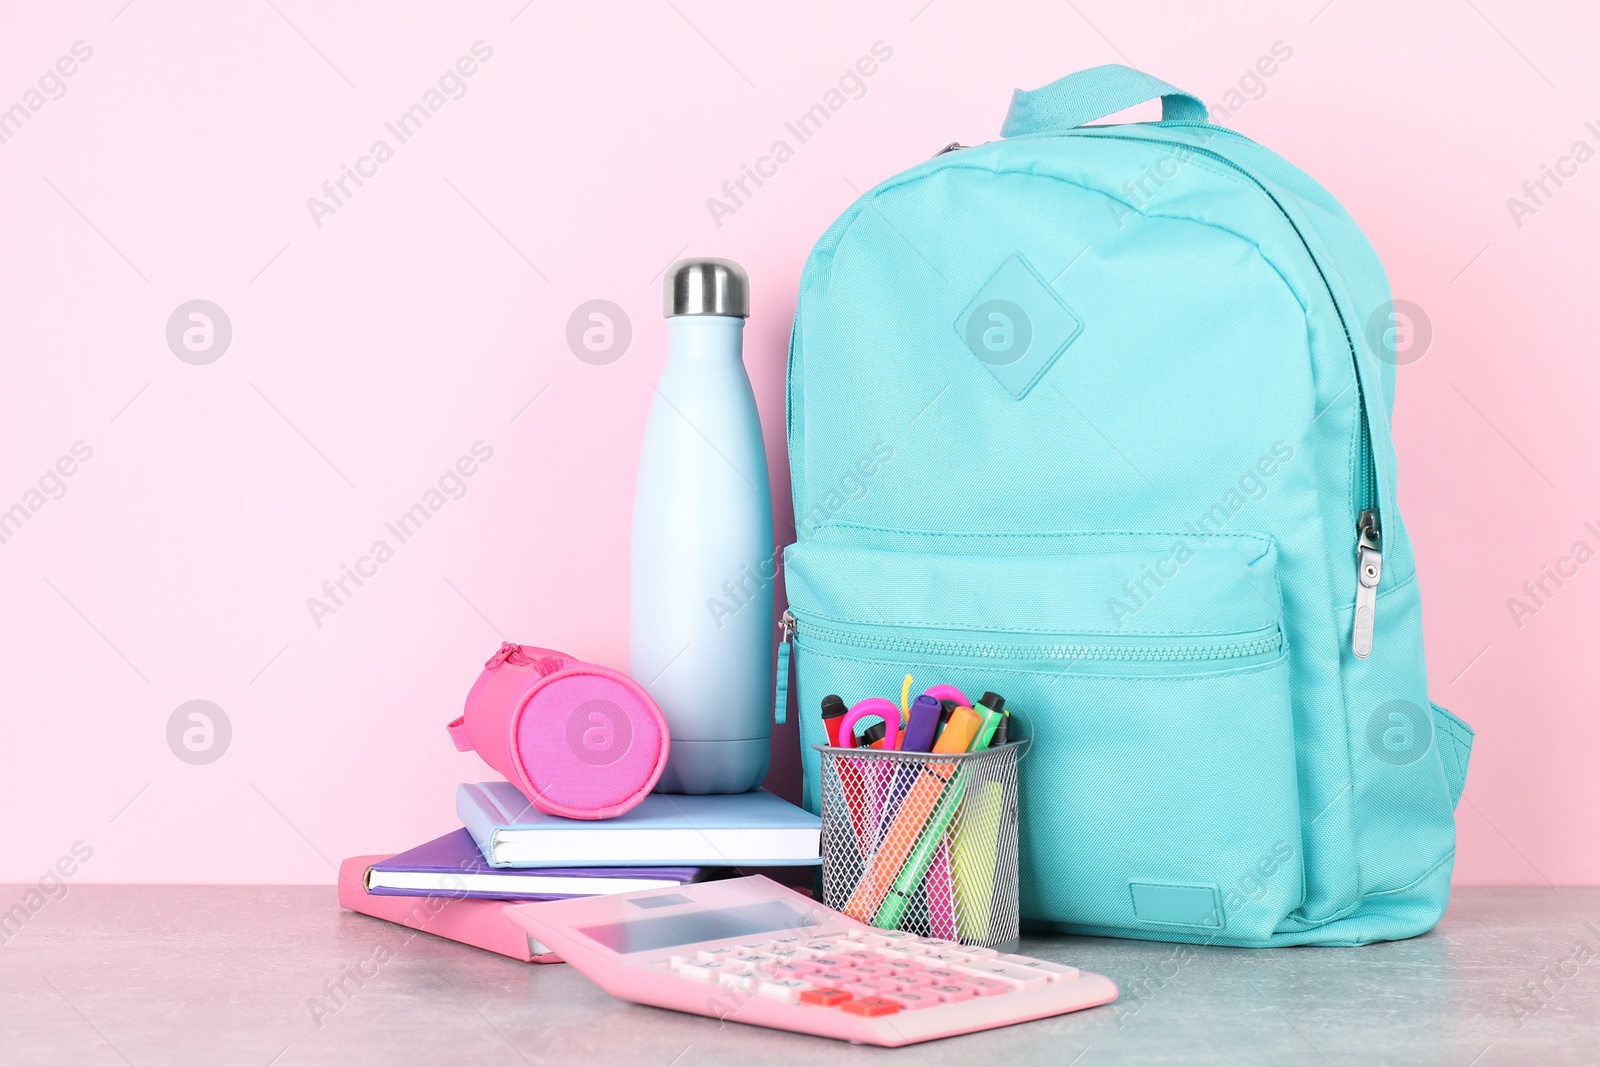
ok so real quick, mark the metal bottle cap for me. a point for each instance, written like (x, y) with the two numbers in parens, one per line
(707, 287)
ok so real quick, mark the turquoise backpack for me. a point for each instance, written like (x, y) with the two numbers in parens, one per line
(1097, 417)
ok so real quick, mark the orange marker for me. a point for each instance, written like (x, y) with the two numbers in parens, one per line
(959, 731)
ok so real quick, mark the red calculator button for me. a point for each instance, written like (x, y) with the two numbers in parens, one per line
(870, 1006)
(825, 998)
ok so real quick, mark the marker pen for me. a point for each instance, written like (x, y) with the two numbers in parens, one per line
(922, 725)
(897, 842)
(985, 735)
(833, 709)
(993, 705)
(958, 734)
(898, 897)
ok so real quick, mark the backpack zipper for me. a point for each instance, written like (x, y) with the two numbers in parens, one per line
(1123, 653)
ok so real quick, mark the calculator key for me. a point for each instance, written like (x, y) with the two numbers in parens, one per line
(712, 955)
(949, 993)
(860, 957)
(753, 946)
(860, 990)
(934, 944)
(702, 971)
(1016, 977)
(795, 968)
(755, 959)
(985, 987)
(913, 999)
(976, 951)
(944, 974)
(824, 946)
(788, 942)
(1058, 972)
(877, 970)
(900, 966)
(787, 990)
(825, 998)
(870, 1006)
(901, 950)
(870, 938)
(743, 983)
(831, 963)
(943, 958)
(828, 977)
(879, 985)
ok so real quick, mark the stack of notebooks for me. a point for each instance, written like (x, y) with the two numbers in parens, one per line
(457, 886)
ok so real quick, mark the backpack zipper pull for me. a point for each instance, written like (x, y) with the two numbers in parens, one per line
(780, 698)
(1369, 569)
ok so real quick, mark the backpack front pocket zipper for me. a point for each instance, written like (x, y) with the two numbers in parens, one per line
(1262, 644)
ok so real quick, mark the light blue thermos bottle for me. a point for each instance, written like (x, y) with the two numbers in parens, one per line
(700, 629)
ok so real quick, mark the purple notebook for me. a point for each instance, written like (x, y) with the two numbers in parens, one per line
(452, 866)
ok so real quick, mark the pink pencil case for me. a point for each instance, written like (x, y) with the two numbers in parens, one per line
(579, 740)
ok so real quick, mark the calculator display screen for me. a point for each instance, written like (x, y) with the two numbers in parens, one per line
(687, 928)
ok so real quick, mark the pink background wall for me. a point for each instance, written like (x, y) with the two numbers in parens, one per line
(428, 312)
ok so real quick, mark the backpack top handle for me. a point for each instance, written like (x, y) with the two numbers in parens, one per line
(1093, 94)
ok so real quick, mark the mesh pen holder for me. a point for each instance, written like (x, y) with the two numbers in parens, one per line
(923, 842)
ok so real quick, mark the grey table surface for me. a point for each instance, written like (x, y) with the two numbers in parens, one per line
(147, 975)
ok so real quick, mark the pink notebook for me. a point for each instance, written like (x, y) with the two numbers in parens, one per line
(479, 923)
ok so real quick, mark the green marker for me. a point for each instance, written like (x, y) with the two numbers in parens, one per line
(893, 908)
(993, 705)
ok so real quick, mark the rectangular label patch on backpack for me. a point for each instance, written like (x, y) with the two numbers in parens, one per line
(1176, 905)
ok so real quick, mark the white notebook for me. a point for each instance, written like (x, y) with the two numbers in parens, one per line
(738, 830)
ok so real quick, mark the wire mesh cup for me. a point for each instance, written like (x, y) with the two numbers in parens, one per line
(923, 842)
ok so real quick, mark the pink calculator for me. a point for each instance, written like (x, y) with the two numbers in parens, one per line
(750, 950)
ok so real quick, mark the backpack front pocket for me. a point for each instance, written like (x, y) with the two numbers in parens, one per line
(1158, 797)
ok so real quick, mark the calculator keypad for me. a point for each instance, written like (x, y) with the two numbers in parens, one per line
(869, 973)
